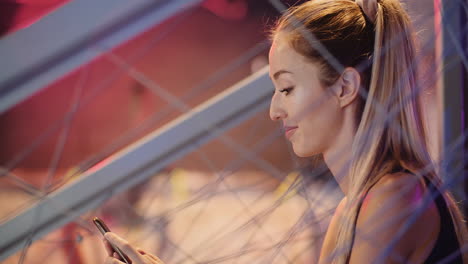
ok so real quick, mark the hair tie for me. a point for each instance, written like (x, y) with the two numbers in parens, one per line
(369, 7)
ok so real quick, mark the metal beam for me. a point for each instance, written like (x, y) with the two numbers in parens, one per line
(138, 162)
(60, 42)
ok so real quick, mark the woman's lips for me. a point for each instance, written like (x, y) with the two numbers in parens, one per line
(289, 131)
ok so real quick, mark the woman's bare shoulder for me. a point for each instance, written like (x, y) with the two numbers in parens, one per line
(394, 213)
(399, 187)
(400, 194)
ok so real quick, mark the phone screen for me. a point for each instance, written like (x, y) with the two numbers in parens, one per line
(102, 227)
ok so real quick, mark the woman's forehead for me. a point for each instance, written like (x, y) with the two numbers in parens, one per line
(280, 52)
(278, 45)
(283, 56)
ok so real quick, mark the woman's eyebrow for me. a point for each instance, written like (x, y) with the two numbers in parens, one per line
(278, 73)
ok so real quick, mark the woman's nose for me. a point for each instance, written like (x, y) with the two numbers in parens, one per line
(276, 112)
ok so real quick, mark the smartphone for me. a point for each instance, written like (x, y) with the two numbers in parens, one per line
(104, 229)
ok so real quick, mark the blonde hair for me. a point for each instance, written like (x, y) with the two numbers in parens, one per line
(384, 53)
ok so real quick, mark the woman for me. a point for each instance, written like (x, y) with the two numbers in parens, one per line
(345, 85)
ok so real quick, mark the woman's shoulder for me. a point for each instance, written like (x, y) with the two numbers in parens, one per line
(395, 210)
(395, 192)
(401, 187)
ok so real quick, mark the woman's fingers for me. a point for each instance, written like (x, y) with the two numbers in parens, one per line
(110, 250)
(111, 260)
(108, 247)
(136, 255)
(121, 243)
(152, 258)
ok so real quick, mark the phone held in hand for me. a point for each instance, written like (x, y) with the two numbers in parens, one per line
(104, 229)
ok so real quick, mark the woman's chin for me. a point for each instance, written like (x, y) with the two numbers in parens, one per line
(304, 153)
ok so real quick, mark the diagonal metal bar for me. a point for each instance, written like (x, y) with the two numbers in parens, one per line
(139, 161)
(62, 41)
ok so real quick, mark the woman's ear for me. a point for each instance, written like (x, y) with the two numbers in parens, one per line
(346, 88)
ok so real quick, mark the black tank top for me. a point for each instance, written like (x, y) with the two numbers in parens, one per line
(447, 247)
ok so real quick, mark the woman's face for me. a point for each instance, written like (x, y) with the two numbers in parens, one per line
(310, 113)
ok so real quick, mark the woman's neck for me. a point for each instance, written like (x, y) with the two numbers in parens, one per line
(339, 164)
(338, 155)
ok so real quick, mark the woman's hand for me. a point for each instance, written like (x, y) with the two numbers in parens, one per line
(137, 256)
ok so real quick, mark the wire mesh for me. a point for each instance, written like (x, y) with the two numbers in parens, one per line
(242, 197)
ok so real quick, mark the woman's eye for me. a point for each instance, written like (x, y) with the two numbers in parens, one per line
(286, 91)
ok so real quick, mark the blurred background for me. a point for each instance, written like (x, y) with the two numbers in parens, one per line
(96, 97)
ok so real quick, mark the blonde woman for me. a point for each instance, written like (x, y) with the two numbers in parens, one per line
(345, 85)
(354, 102)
